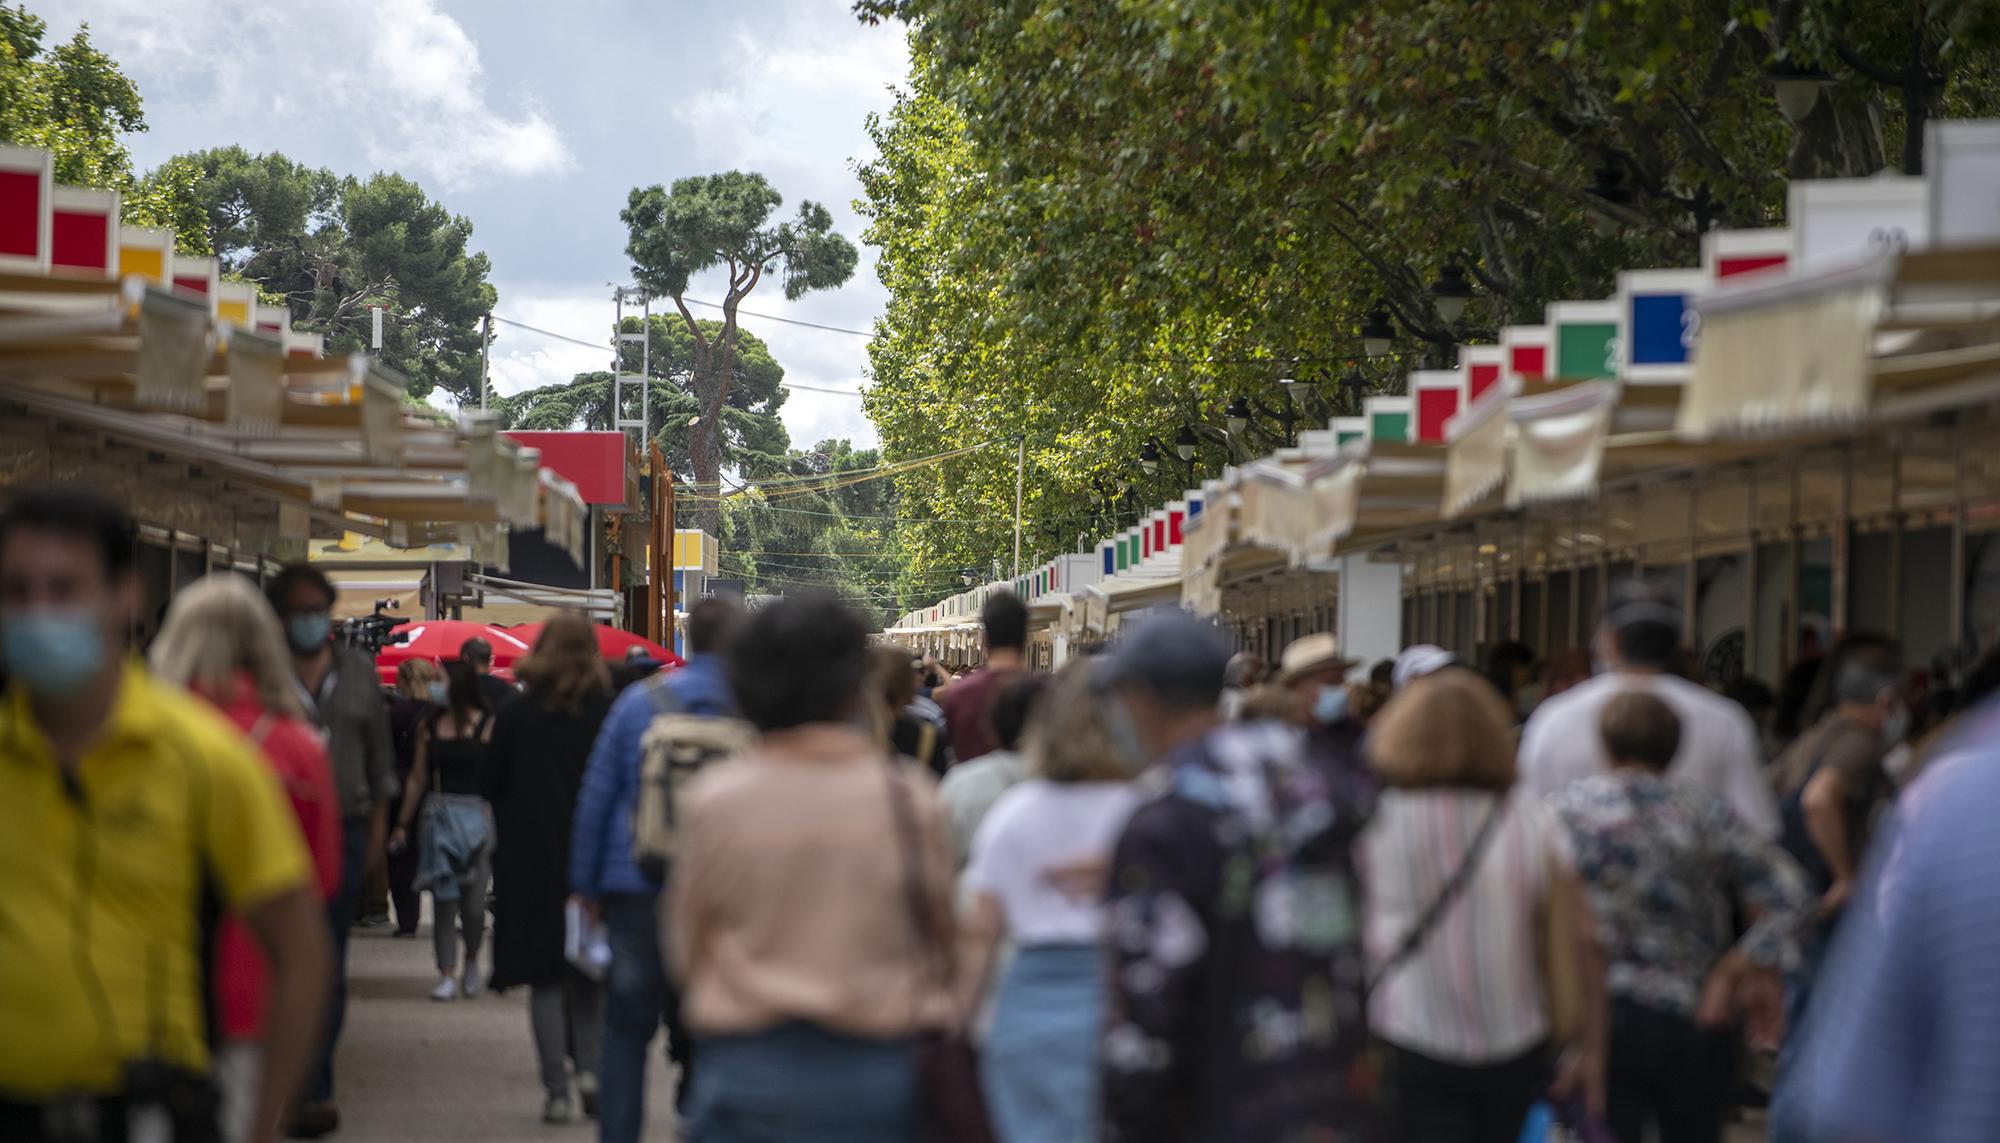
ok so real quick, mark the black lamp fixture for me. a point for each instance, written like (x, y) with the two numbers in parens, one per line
(1237, 415)
(1149, 457)
(1607, 188)
(1186, 442)
(1450, 293)
(1377, 331)
(966, 577)
(1798, 87)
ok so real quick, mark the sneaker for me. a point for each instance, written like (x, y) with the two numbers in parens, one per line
(470, 986)
(373, 921)
(586, 1092)
(558, 1110)
(447, 989)
(313, 1119)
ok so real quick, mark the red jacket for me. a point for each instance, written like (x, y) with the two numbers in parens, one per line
(293, 749)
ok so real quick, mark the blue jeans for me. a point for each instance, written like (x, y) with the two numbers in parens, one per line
(798, 1081)
(1039, 1068)
(638, 1001)
(339, 919)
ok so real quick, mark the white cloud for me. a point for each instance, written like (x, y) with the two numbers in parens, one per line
(398, 81)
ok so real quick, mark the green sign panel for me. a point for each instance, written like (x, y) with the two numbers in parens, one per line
(1390, 427)
(1587, 349)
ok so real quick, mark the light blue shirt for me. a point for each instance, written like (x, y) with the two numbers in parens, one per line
(1902, 1039)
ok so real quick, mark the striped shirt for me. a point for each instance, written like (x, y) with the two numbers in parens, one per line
(1472, 993)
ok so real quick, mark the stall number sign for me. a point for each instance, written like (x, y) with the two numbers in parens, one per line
(1587, 349)
(1848, 218)
(1664, 329)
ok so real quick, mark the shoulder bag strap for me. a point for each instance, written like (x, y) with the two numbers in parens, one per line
(1452, 890)
(923, 922)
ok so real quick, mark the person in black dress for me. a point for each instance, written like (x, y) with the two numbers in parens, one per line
(540, 746)
(420, 693)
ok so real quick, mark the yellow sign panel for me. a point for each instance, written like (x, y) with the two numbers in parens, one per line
(695, 550)
(146, 261)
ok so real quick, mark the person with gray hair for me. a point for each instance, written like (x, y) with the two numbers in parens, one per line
(1636, 645)
(1832, 781)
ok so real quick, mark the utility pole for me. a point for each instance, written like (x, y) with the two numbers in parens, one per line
(1020, 467)
(485, 342)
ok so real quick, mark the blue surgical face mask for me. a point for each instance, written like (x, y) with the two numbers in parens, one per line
(1330, 705)
(307, 632)
(52, 651)
(1124, 734)
(437, 691)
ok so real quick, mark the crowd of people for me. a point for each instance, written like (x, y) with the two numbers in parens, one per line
(1165, 895)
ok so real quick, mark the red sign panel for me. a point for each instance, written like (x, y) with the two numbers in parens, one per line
(80, 239)
(1530, 361)
(1748, 264)
(594, 462)
(1434, 408)
(1480, 378)
(20, 214)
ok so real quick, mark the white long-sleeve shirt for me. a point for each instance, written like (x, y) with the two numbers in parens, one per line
(1563, 742)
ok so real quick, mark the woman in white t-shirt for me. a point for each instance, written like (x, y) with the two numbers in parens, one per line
(1463, 873)
(1036, 879)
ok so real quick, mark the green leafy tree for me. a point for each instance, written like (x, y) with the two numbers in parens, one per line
(70, 99)
(724, 220)
(1098, 222)
(75, 102)
(820, 519)
(754, 441)
(334, 246)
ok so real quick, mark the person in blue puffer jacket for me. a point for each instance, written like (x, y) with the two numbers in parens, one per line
(639, 999)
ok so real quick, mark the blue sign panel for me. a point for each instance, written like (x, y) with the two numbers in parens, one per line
(1110, 559)
(1662, 329)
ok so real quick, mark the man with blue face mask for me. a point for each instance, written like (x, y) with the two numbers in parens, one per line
(1315, 671)
(339, 690)
(1233, 914)
(124, 803)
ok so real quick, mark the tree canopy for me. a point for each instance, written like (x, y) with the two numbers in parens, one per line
(1100, 222)
(754, 440)
(74, 101)
(724, 220)
(333, 246)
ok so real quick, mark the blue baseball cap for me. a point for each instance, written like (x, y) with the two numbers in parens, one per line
(1171, 653)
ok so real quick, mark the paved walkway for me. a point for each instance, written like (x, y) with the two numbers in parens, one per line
(413, 1069)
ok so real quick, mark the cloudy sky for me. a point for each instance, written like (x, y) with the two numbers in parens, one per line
(534, 120)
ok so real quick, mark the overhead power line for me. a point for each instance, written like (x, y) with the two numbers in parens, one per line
(782, 320)
(605, 346)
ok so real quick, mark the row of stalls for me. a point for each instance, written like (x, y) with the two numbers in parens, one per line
(233, 439)
(1795, 438)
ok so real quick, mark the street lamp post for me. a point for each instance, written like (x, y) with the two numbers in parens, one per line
(1450, 293)
(1185, 445)
(1377, 331)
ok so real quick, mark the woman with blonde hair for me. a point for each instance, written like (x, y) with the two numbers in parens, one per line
(541, 743)
(1481, 959)
(1036, 878)
(221, 640)
(419, 693)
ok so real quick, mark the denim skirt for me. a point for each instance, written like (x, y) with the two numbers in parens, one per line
(1039, 1067)
(798, 1081)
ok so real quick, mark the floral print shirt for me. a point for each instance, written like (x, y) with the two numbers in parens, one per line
(1234, 923)
(1664, 862)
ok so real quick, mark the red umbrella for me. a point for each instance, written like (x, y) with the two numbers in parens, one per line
(440, 639)
(611, 642)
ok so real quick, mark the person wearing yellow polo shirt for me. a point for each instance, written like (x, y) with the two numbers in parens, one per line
(122, 800)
